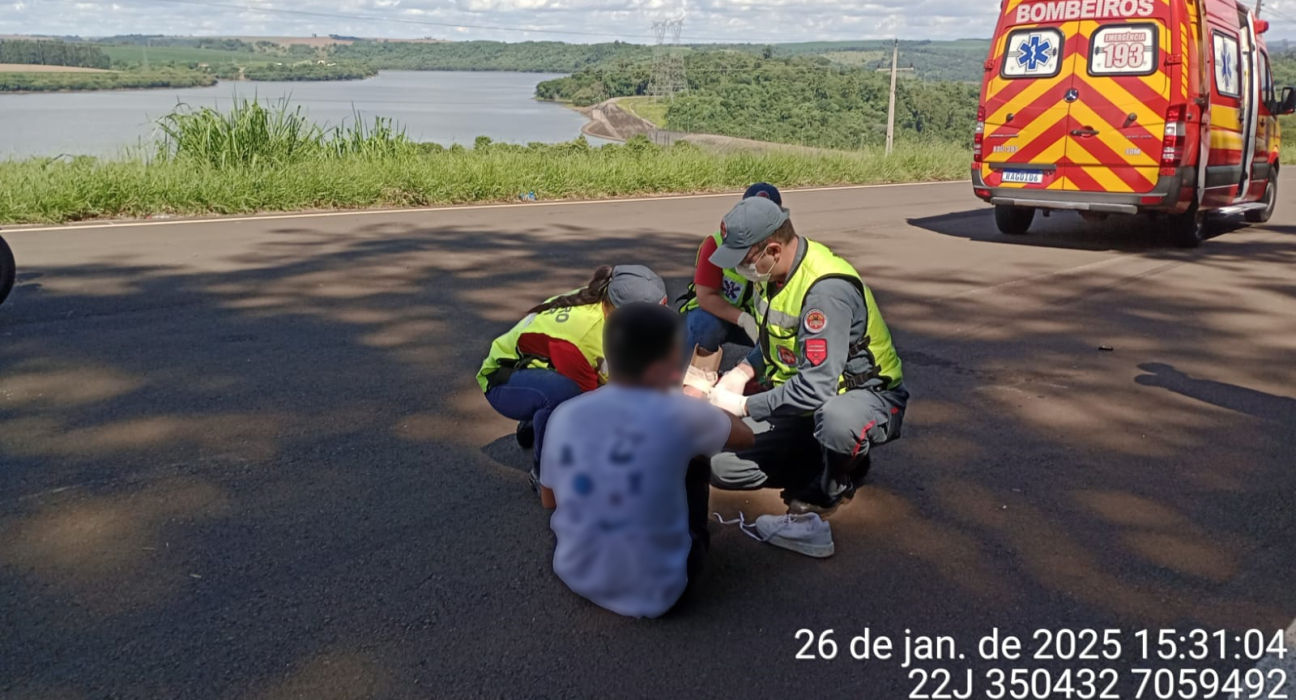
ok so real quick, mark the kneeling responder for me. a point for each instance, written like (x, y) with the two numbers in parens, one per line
(835, 386)
(719, 306)
(556, 352)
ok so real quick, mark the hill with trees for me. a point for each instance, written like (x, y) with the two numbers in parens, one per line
(528, 57)
(806, 100)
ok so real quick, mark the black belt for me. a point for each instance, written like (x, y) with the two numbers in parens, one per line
(507, 368)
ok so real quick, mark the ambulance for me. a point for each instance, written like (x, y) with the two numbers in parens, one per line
(1163, 107)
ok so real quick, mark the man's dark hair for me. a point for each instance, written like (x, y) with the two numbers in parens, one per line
(638, 335)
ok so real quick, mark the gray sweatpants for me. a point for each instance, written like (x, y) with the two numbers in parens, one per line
(800, 452)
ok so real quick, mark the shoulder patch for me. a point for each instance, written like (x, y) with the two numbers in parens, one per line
(787, 357)
(817, 351)
(816, 321)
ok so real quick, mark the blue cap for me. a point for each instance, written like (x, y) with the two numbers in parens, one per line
(766, 190)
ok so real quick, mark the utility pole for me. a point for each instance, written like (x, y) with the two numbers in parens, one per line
(895, 63)
(1259, 3)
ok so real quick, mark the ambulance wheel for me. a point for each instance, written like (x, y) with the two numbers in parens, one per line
(8, 270)
(1270, 200)
(1187, 230)
(1013, 221)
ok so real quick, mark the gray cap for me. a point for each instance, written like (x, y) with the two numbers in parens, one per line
(751, 222)
(636, 283)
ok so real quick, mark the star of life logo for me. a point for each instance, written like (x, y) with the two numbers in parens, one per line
(731, 290)
(1035, 53)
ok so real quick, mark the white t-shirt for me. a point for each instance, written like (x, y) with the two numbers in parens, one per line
(616, 460)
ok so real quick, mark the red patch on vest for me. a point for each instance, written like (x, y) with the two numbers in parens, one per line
(817, 351)
(787, 357)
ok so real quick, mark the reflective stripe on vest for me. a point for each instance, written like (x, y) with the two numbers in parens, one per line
(781, 321)
(581, 326)
(736, 290)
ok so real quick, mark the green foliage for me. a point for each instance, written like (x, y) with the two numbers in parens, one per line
(41, 190)
(52, 53)
(931, 60)
(252, 134)
(531, 56)
(134, 54)
(60, 82)
(308, 71)
(801, 100)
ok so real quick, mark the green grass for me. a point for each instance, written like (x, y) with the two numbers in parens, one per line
(649, 108)
(36, 191)
(178, 54)
(271, 159)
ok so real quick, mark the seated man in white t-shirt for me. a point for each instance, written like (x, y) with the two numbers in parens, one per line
(629, 467)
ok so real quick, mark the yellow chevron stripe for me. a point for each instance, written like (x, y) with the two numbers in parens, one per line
(1223, 117)
(1230, 140)
(1028, 134)
(1033, 92)
(1116, 141)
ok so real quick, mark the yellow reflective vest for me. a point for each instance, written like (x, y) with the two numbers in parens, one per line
(581, 326)
(781, 323)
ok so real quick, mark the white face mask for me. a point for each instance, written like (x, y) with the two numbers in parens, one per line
(752, 272)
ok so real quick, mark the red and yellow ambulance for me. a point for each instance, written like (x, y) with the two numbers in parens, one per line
(1126, 107)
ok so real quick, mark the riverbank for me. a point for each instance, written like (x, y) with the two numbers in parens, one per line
(40, 191)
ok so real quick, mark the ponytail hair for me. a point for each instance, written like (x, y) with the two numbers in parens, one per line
(593, 293)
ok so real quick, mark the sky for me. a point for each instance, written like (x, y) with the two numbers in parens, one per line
(758, 21)
(755, 21)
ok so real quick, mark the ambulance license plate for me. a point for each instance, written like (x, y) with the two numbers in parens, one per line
(1029, 177)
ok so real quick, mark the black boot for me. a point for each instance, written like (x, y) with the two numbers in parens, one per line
(836, 487)
(526, 435)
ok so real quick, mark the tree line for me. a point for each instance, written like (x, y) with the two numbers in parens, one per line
(52, 53)
(530, 56)
(794, 99)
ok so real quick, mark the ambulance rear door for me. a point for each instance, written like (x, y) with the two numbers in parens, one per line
(1029, 77)
(1122, 92)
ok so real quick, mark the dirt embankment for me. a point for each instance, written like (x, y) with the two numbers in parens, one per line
(609, 120)
(27, 68)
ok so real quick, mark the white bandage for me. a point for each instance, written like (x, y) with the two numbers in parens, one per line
(736, 380)
(729, 401)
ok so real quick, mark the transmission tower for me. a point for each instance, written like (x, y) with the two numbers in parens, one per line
(668, 76)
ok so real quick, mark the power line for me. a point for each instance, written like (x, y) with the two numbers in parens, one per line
(398, 20)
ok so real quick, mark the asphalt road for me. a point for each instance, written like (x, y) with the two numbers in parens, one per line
(247, 459)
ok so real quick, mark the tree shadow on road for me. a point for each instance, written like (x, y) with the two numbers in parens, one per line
(269, 472)
(1231, 397)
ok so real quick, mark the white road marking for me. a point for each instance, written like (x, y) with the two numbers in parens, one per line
(460, 207)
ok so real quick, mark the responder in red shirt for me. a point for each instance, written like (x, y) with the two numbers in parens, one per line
(720, 304)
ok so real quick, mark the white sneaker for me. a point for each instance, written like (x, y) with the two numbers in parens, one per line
(804, 534)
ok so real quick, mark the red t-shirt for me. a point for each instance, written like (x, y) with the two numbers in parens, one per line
(564, 356)
(708, 275)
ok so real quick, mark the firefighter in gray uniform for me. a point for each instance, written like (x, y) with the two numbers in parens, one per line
(834, 387)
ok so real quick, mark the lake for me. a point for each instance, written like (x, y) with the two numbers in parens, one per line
(432, 106)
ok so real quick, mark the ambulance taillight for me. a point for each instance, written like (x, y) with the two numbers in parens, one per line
(1176, 136)
(979, 140)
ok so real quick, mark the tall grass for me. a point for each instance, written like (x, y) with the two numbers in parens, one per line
(271, 159)
(253, 134)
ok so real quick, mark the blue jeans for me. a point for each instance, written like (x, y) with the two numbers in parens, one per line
(532, 395)
(709, 332)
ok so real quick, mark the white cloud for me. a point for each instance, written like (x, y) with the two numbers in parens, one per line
(756, 21)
